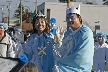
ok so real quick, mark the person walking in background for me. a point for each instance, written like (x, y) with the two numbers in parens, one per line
(6, 49)
(17, 38)
(101, 51)
(39, 45)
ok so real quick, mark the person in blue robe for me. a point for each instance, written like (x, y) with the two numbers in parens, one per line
(100, 53)
(39, 46)
(77, 49)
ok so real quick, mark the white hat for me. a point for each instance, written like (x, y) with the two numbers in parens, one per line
(39, 14)
(73, 9)
(4, 25)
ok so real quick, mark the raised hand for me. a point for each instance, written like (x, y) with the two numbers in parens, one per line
(59, 33)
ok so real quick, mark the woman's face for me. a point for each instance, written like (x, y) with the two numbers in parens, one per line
(40, 24)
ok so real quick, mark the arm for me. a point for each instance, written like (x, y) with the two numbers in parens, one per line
(27, 46)
(82, 54)
(20, 51)
(61, 49)
(63, 44)
(10, 49)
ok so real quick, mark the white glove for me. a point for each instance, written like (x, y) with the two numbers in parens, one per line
(60, 33)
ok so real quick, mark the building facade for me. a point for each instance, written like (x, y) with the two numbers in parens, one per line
(95, 2)
(95, 16)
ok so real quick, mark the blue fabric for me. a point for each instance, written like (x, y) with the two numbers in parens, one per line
(4, 25)
(31, 37)
(17, 29)
(67, 32)
(46, 61)
(53, 31)
(80, 59)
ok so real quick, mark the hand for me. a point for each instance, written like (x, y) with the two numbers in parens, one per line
(23, 58)
(59, 33)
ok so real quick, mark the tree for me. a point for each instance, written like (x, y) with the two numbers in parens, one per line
(17, 12)
(88, 24)
(66, 1)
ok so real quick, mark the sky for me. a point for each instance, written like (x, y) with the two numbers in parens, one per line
(14, 5)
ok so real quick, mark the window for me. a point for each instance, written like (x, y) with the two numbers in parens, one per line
(104, 0)
(48, 14)
(43, 11)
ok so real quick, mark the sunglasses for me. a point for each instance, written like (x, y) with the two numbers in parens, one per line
(71, 17)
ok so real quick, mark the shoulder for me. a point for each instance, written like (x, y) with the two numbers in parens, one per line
(106, 45)
(8, 36)
(9, 39)
(85, 30)
(32, 36)
(85, 34)
(49, 35)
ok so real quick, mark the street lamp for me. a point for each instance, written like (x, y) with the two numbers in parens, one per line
(2, 9)
(21, 14)
(9, 6)
(2, 14)
(27, 8)
(35, 5)
(24, 7)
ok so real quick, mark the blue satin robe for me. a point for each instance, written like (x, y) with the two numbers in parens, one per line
(80, 55)
(44, 63)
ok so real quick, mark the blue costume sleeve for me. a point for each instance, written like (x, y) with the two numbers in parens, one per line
(81, 56)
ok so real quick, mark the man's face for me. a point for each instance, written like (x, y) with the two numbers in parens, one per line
(72, 20)
(100, 39)
(2, 30)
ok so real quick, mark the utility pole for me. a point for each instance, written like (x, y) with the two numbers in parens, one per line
(9, 14)
(9, 6)
(21, 14)
(2, 14)
(36, 7)
(68, 3)
(2, 9)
